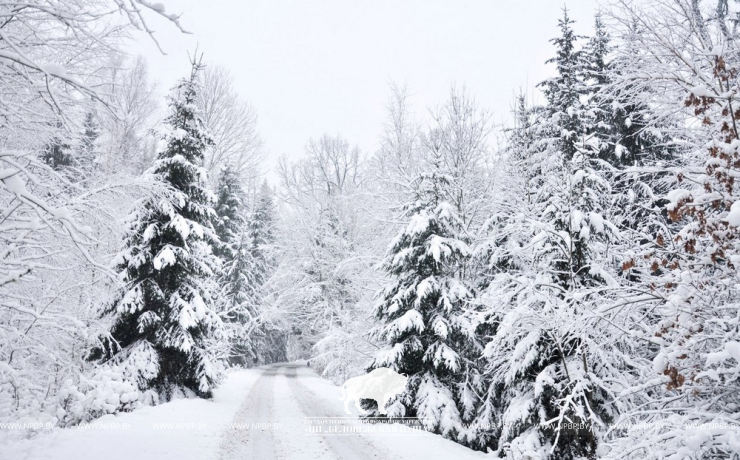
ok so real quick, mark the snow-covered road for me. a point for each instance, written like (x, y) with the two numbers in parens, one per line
(256, 414)
(280, 402)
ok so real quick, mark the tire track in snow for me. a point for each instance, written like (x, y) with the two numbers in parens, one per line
(245, 443)
(343, 447)
(294, 443)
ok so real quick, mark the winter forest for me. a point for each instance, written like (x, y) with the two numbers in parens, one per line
(562, 285)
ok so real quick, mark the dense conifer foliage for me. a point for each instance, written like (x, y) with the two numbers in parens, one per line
(166, 324)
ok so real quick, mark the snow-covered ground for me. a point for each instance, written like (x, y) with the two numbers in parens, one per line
(255, 414)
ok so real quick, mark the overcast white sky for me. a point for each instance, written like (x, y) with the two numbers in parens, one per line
(316, 66)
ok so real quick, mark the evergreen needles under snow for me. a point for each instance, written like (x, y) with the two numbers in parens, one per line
(166, 331)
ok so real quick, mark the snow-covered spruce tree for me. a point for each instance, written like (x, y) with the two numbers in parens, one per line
(620, 116)
(601, 110)
(524, 148)
(238, 290)
(425, 329)
(89, 149)
(550, 266)
(246, 252)
(519, 162)
(269, 340)
(520, 188)
(58, 152)
(564, 90)
(236, 279)
(230, 211)
(545, 358)
(566, 123)
(247, 264)
(166, 330)
(260, 226)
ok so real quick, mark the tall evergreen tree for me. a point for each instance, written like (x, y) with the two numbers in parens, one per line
(246, 253)
(270, 340)
(524, 147)
(548, 261)
(599, 108)
(426, 334)
(620, 118)
(544, 364)
(261, 231)
(165, 324)
(88, 153)
(57, 152)
(564, 91)
(237, 277)
(627, 131)
(595, 56)
(239, 290)
(230, 211)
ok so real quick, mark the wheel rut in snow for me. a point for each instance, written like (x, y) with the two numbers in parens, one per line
(239, 440)
(343, 447)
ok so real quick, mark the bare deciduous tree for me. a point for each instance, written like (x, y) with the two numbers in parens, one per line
(129, 126)
(331, 168)
(232, 123)
(55, 233)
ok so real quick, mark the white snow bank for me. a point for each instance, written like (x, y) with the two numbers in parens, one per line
(404, 447)
(153, 433)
